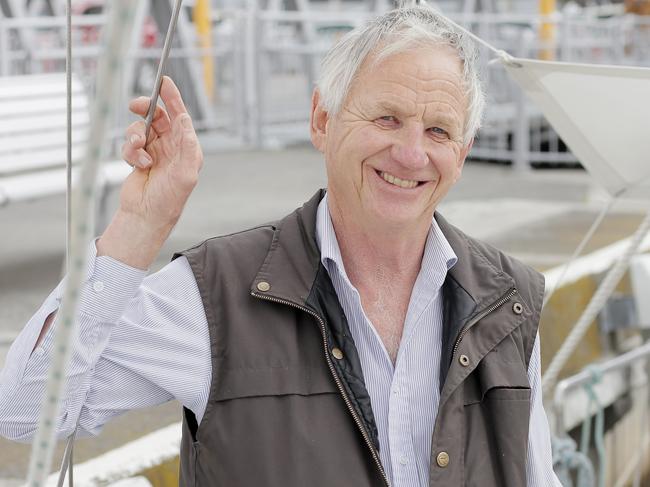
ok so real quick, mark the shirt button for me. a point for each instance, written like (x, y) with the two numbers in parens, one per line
(464, 360)
(442, 459)
(517, 308)
(403, 460)
(39, 351)
(98, 286)
(396, 390)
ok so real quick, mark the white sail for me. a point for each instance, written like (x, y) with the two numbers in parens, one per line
(601, 112)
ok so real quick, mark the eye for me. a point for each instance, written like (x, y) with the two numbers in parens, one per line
(439, 131)
(387, 121)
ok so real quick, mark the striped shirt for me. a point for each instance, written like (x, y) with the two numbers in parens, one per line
(144, 340)
(405, 396)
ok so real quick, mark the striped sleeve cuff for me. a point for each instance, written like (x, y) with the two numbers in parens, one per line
(108, 288)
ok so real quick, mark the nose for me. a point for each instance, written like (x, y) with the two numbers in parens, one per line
(408, 148)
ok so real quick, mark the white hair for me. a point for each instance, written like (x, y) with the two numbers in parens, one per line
(392, 33)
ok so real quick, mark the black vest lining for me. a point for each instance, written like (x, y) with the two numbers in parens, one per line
(324, 301)
(458, 306)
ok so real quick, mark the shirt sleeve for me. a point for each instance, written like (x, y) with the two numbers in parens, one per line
(137, 339)
(539, 461)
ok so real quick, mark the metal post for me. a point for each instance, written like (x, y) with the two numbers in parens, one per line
(254, 132)
(239, 73)
(521, 132)
(185, 34)
(547, 30)
(4, 48)
(132, 59)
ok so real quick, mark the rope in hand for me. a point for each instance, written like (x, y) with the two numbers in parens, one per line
(108, 79)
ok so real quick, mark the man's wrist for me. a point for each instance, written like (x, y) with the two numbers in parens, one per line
(132, 240)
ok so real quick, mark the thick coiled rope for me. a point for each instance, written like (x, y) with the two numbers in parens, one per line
(118, 34)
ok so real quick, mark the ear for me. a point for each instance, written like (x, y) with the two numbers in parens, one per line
(318, 122)
(461, 159)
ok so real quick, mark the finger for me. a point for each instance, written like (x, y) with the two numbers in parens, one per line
(191, 156)
(132, 149)
(135, 157)
(139, 158)
(171, 96)
(135, 134)
(160, 122)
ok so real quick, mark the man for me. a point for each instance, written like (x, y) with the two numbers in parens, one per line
(359, 341)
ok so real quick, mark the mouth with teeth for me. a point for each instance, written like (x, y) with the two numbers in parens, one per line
(395, 181)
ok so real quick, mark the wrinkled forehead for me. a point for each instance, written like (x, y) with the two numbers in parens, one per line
(419, 75)
(398, 43)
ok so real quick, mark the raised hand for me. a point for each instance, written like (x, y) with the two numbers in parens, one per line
(165, 172)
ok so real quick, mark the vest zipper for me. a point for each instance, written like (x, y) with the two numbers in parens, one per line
(339, 385)
(480, 316)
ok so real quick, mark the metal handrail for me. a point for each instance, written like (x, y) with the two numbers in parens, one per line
(586, 376)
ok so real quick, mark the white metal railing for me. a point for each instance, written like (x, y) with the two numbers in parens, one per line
(34, 45)
(267, 62)
(586, 376)
(603, 383)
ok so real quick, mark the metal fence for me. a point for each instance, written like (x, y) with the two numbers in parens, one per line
(618, 456)
(266, 63)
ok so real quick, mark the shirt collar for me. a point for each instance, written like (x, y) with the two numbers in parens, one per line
(438, 256)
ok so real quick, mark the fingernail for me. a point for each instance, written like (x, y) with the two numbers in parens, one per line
(134, 139)
(145, 161)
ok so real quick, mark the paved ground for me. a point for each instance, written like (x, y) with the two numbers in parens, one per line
(538, 216)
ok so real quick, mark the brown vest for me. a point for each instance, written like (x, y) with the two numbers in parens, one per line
(286, 411)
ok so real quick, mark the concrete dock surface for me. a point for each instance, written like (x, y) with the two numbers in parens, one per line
(538, 216)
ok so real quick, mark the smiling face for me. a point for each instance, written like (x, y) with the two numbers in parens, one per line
(396, 147)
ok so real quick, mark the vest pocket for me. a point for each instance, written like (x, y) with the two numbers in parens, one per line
(496, 414)
(500, 376)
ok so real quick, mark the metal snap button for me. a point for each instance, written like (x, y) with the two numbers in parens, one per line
(336, 352)
(263, 286)
(464, 360)
(517, 308)
(442, 459)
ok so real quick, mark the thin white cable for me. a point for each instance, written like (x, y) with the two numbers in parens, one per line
(579, 249)
(502, 55)
(108, 79)
(68, 79)
(597, 302)
(68, 457)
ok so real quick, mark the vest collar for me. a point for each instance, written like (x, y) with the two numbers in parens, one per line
(293, 260)
(479, 277)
